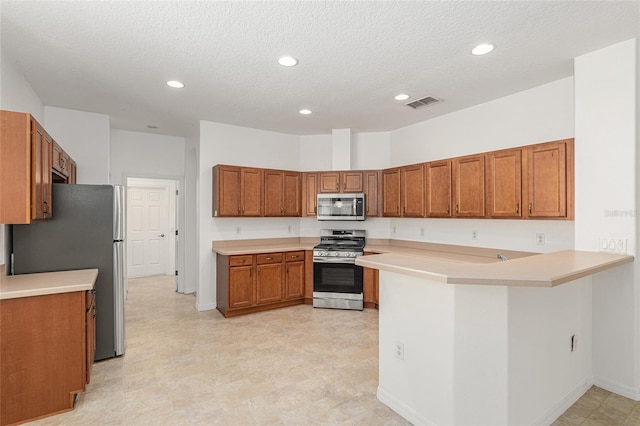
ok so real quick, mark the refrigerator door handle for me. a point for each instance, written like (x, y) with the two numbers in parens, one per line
(118, 213)
(118, 288)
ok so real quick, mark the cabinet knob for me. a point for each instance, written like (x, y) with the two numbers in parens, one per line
(530, 208)
(337, 186)
(457, 208)
(517, 208)
(448, 209)
(268, 258)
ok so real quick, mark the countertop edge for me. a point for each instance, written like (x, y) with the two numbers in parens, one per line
(30, 285)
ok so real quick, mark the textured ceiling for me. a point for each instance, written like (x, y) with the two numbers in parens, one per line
(114, 57)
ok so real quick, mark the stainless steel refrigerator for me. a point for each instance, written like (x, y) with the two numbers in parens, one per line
(86, 231)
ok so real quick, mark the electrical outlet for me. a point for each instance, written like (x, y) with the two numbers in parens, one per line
(540, 238)
(394, 229)
(237, 230)
(289, 229)
(612, 245)
(474, 234)
(422, 232)
(399, 350)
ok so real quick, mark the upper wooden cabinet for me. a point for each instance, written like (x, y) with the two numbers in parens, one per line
(438, 175)
(469, 183)
(534, 181)
(504, 184)
(340, 182)
(391, 192)
(372, 192)
(531, 182)
(412, 190)
(237, 191)
(549, 173)
(281, 193)
(61, 164)
(309, 194)
(25, 169)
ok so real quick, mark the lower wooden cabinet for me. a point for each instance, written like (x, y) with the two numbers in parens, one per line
(47, 348)
(370, 286)
(258, 282)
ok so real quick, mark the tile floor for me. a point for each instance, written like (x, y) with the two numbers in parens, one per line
(295, 366)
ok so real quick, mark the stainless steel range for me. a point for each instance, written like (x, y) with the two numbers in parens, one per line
(337, 280)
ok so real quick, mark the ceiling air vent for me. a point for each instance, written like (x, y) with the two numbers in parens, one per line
(423, 102)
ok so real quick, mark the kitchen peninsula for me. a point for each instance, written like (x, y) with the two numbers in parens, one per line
(472, 340)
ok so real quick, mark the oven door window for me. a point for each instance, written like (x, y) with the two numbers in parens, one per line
(337, 278)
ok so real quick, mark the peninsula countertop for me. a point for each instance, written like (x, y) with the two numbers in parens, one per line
(27, 285)
(534, 270)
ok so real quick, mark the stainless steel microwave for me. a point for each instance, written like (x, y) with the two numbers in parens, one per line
(341, 206)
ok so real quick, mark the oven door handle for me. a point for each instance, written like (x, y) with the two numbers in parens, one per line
(345, 260)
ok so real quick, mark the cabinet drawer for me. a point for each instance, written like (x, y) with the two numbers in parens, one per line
(269, 258)
(292, 256)
(241, 260)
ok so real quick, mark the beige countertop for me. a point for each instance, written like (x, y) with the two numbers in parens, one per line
(26, 285)
(452, 264)
(537, 270)
(237, 247)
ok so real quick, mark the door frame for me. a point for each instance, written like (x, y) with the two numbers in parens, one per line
(179, 223)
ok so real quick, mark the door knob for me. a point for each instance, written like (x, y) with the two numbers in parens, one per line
(161, 235)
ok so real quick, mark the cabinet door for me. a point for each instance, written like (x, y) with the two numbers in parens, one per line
(273, 196)
(291, 194)
(547, 180)
(251, 181)
(412, 190)
(294, 280)
(309, 194)
(504, 183)
(469, 180)
(439, 189)
(372, 193)
(41, 155)
(351, 182)
(241, 287)
(90, 330)
(73, 171)
(391, 192)
(269, 283)
(58, 158)
(329, 182)
(226, 191)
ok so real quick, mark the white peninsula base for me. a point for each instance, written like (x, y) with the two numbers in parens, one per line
(482, 354)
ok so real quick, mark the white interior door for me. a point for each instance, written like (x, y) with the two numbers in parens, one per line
(147, 231)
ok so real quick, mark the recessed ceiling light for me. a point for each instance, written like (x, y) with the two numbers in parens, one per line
(482, 49)
(176, 84)
(305, 111)
(287, 61)
(401, 97)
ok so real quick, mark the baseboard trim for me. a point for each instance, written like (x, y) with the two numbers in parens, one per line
(567, 401)
(403, 409)
(618, 388)
(205, 307)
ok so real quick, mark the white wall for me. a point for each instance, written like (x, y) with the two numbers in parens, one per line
(606, 119)
(191, 215)
(371, 151)
(482, 355)
(315, 153)
(135, 154)
(226, 144)
(536, 115)
(86, 137)
(16, 94)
